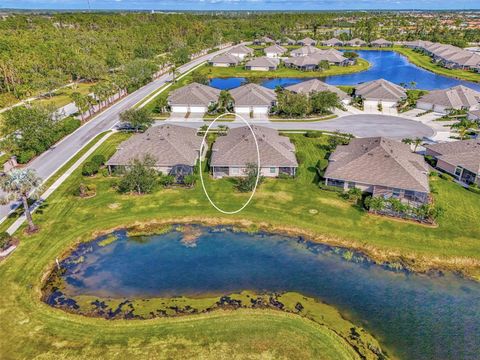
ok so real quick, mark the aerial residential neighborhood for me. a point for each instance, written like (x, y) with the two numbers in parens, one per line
(239, 180)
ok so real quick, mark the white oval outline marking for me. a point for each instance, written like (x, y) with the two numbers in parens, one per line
(201, 168)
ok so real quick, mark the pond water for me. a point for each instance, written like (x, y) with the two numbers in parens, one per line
(388, 65)
(414, 316)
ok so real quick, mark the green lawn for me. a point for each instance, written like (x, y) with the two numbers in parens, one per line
(239, 71)
(62, 96)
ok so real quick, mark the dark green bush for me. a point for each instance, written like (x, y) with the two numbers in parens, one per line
(98, 159)
(313, 134)
(446, 176)
(24, 157)
(5, 240)
(89, 169)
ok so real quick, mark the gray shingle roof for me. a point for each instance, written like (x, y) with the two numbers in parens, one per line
(237, 148)
(355, 41)
(307, 41)
(302, 61)
(276, 49)
(168, 144)
(194, 94)
(253, 94)
(241, 49)
(456, 97)
(381, 41)
(263, 61)
(379, 161)
(332, 41)
(315, 85)
(331, 55)
(225, 59)
(380, 89)
(464, 153)
(304, 50)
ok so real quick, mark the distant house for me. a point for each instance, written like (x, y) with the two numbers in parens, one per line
(307, 42)
(241, 51)
(312, 86)
(262, 64)
(275, 51)
(289, 41)
(474, 115)
(304, 51)
(355, 42)
(193, 98)
(332, 42)
(306, 63)
(225, 60)
(333, 57)
(253, 99)
(232, 153)
(381, 167)
(263, 40)
(461, 159)
(174, 148)
(381, 43)
(381, 93)
(456, 98)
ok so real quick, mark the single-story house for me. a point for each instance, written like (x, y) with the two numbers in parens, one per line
(253, 99)
(355, 42)
(275, 51)
(455, 98)
(381, 167)
(307, 41)
(193, 98)
(241, 51)
(333, 57)
(332, 42)
(306, 63)
(174, 148)
(232, 153)
(304, 51)
(461, 159)
(288, 41)
(263, 40)
(381, 43)
(380, 93)
(263, 63)
(224, 60)
(312, 86)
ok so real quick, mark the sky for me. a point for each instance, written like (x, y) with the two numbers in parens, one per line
(241, 4)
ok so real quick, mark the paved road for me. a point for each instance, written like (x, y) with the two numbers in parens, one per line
(362, 125)
(47, 163)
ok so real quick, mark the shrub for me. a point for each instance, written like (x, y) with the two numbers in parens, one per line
(5, 240)
(167, 180)
(89, 168)
(98, 159)
(313, 134)
(431, 160)
(25, 156)
(445, 176)
(301, 157)
(189, 180)
(474, 188)
(86, 190)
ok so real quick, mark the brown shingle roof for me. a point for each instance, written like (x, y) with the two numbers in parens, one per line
(194, 94)
(380, 89)
(457, 97)
(253, 94)
(465, 153)
(238, 148)
(168, 144)
(379, 161)
(315, 85)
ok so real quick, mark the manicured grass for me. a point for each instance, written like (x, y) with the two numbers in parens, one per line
(424, 61)
(239, 71)
(62, 96)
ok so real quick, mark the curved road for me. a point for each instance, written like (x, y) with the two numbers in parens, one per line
(362, 125)
(52, 160)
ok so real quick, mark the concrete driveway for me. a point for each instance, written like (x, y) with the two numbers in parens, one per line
(361, 125)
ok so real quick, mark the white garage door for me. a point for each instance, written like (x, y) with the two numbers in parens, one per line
(242, 109)
(261, 110)
(389, 108)
(180, 109)
(370, 106)
(198, 109)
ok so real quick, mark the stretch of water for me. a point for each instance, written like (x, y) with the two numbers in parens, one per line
(414, 316)
(388, 65)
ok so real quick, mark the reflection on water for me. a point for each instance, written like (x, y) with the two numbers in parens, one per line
(388, 65)
(415, 316)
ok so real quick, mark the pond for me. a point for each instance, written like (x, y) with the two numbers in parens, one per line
(414, 316)
(388, 65)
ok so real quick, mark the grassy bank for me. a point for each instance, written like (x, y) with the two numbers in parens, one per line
(425, 62)
(239, 71)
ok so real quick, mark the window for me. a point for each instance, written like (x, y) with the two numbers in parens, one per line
(273, 170)
(351, 185)
(396, 193)
(458, 170)
(235, 170)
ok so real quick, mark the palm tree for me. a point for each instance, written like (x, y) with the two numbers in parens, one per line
(225, 101)
(23, 184)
